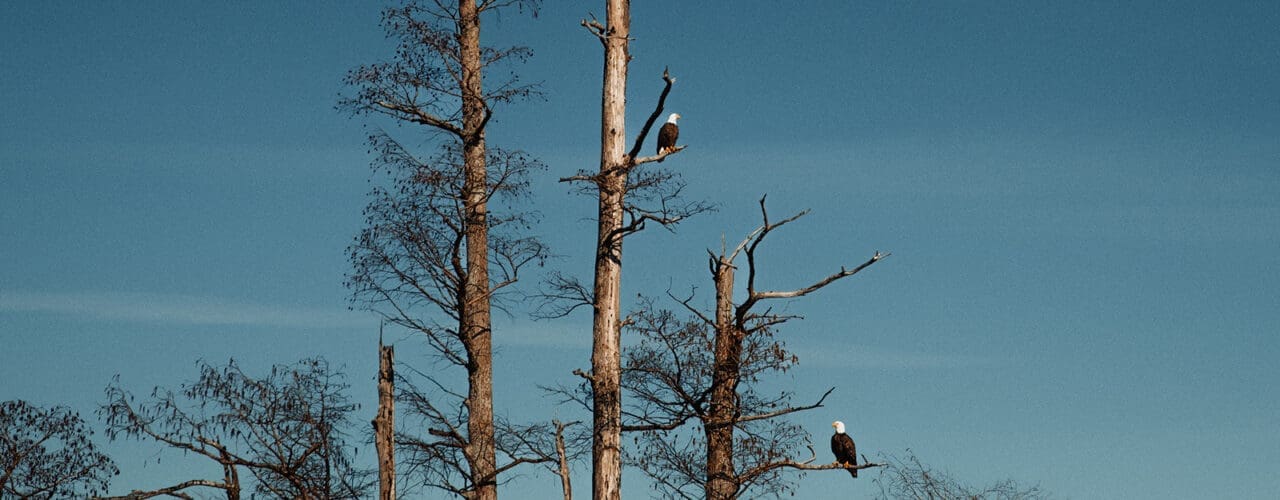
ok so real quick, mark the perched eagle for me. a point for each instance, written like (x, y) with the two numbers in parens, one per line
(843, 448)
(668, 134)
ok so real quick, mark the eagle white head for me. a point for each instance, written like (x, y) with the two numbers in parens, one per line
(672, 119)
(839, 426)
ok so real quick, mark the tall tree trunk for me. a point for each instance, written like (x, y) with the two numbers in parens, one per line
(476, 327)
(721, 481)
(606, 363)
(384, 423)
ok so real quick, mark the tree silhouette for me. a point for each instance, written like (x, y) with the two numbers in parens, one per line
(46, 453)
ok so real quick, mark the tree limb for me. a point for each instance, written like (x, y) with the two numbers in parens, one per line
(658, 157)
(596, 28)
(806, 464)
(758, 296)
(173, 491)
(585, 375)
(784, 411)
(648, 124)
(417, 115)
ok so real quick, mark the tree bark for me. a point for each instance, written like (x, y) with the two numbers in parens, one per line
(476, 326)
(606, 364)
(566, 485)
(384, 423)
(721, 482)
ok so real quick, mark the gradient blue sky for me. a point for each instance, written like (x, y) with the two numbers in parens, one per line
(1082, 200)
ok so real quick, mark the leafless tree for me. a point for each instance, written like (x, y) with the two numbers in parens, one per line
(744, 339)
(432, 257)
(46, 453)
(629, 198)
(906, 478)
(703, 370)
(384, 423)
(287, 430)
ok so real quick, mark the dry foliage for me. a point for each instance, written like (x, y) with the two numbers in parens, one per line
(46, 453)
(287, 430)
(906, 478)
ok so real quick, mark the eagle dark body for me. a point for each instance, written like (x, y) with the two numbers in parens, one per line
(845, 451)
(667, 136)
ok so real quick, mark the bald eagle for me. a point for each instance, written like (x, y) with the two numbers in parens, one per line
(668, 134)
(843, 448)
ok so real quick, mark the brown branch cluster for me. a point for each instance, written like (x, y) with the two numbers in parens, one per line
(47, 453)
(408, 263)
(422, 83)
(704, 370)
(669, 375)
(438, 249)
(287, 430)
(907, 477)
(438, 460)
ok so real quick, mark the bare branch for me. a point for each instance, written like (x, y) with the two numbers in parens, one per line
(561, 295)
(691, 309)
(586, 376)
(658, 157)
(653, 117)
(596, 28)
(844, 273)
(755, 238)
(807, 464)
(173, 491)
(784, 411)
(417, 115)
(582, 176)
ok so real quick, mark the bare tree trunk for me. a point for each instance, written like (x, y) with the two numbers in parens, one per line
(232, 479)
(384, 423)
(606, 364)
(721, 482)
(476, 315)
(563, 470)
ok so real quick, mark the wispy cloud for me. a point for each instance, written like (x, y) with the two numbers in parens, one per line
(178, 309)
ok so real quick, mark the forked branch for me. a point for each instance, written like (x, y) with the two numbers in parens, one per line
(754, 239)
(417, 115)
(597, 29)
(648, 124)
(784, 411)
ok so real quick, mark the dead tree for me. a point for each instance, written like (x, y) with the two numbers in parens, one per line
(47, 453)
(384, 424)
(286, 430)
(562, 461)
(431, 246)
(622, 189)
(703, 370)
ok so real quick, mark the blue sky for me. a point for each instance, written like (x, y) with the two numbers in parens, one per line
(1082, 200)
